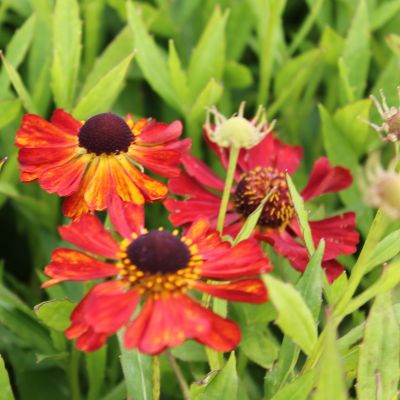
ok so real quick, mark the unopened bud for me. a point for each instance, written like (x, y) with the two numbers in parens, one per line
(237, 131)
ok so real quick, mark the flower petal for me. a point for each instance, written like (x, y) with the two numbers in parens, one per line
(333, 270)
(158, 132)
(64, 179)
(37, 132)
(271, 152)
(202, 173)
(164, 162)
(326, 179)
(246, 290)
(65, 122)
(167, 322)
(73, 265)
(244, 259)
(89, 234)
(126, 217)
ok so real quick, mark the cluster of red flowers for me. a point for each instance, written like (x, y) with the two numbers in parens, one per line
(151, 277)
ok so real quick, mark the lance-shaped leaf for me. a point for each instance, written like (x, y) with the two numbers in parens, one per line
(378, 365)
(294, 317)
(6, 391)
(67, 31)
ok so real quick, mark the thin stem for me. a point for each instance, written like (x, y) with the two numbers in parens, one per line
(233, 157)
(156, 378)
(73, 374)
(179, 376)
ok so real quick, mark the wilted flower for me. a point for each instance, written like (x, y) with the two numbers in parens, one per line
(88, 161)
(391, 119)
(261, 170)
(161, 268)
(237, 131)
(383, 189)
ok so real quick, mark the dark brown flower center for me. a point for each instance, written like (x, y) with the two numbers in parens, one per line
(105, 133)
(252, 189)
(158, 252)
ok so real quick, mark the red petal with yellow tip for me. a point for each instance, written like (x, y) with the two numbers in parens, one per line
(72, 265)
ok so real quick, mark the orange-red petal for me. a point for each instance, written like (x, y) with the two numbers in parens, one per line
(246, 290)
(65, 121)
(73, 265)
(89, 234)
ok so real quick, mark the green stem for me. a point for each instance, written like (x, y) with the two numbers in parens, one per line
(378, 228)
(73, 374)
(156, 378)
(179, 376)
(233, 157)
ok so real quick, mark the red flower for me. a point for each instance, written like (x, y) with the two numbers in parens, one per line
(160, 268)
(86, 162)
(259, 170)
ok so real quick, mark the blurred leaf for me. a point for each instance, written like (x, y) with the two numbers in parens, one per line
(386, 249)
(17, 48)
(9, 110)
(298, 389)
(18, 86)
(137, 369)
(378, 368)
(150, 59)
(301, 215)
(223, 385)
(6, 391)
(101, 96)
(55, 313)
(383, 13)
(338, 287)
(330, 381)
(340, 152)
(294, 317)
(120, 48)
(259, 346)
(67, 31)
(356, 54)
(237, 76)
(178, 75)
(208, 57)
(207, 98)
(190, 351)
(332, 44)
(96, 369)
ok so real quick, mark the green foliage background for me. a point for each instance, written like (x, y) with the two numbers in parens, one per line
(312, 64)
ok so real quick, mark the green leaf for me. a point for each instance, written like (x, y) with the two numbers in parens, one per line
(18, 85)
(298, 389)
(237, 76)
(386, 249)
(55, 313)
(378, 367)
(137, 369)
(208, 57)
(338, 287)
(120, 48)
(67, 31)
(251, 221)
(17, 48)
(6, 391)
(223, 385)
(150, 59)
(383, 13)
(101, 97)
(9, 110)
(294, 317)
(96, 369)
(356, 132)
(301, 215)
(178, 75)
(208, 97)
(332, 44)
(357, 54)
(330, 381)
